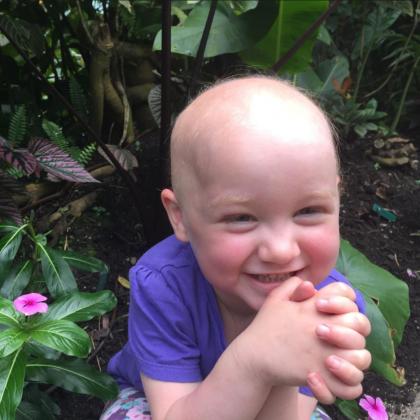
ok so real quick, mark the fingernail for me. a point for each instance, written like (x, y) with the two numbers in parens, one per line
(334, 362)
(322, 302)
(322, 330)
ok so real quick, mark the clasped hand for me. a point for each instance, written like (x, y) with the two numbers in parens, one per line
(301, 335)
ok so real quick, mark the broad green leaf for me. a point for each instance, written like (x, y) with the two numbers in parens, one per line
(10, 243)
(328, 73)
(7, 226)
(374, 32)
(229, 33)
(293, 19)
(12, 374)
(74, 376)
(32, 411)
(39, 350)
(381, 346)
(16, 280)
(388, 291)
(11, 340)
(56, 271)
(332, 71)
(8, 315)
(37, 405)
(89, 264)
(349, 408)
(64, 336)
(80, 306)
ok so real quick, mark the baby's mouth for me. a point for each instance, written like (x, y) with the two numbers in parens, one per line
(273, 278)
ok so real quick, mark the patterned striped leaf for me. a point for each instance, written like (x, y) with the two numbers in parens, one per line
(8, 208)
(10, 184)
(18, 158)
(58, 163)
(124, 157)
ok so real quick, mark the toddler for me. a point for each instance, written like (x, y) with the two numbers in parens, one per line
(224, 321)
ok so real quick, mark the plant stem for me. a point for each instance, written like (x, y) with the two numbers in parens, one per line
(201, 49)
(404, 96)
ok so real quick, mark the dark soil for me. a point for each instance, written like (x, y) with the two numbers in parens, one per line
(115, 237)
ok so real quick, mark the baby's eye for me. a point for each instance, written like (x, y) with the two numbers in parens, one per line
(240, 218)
(309, 210)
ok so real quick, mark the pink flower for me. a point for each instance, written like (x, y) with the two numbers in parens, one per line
(30, 304)
(374, 406)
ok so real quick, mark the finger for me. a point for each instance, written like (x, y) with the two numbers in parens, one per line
(303, 292)
(343, 370)
(338, 289)
(336, 305)
(285, 291)
(354, 320)
(319, 388)
(361, 359)
(341, 337)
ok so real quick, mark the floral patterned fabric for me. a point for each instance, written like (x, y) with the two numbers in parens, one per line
(132, 405)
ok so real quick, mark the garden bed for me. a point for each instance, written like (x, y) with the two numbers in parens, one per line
(115, 238)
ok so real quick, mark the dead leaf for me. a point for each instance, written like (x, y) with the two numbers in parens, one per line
(124, 282)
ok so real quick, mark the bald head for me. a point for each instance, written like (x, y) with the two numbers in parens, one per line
(256, 103)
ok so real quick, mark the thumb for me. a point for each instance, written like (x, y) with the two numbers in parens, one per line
(304, 291)
(286, 289)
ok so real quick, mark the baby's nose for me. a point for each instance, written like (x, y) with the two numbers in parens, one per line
(279, 248)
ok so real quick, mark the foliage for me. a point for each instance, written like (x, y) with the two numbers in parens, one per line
(41, 348)
(387, 307)
(292, 19)
(386, 42)
(99, 54)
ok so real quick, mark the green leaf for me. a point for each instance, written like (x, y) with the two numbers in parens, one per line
(229, 33)
(64, 336)
(89, 264)
(81, 306)
(16, 280)
(8, 315)
(74, 376)
(37, 405)
(12, 374)
(293, 19)
(360, 130)
(380, 344)
(11, 340)
(57, 273)
(39, 350)
(388, 291)
(330, 71)
(349, 408)
(10, 243)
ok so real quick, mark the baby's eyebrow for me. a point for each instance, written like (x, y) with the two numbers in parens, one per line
(229, 198)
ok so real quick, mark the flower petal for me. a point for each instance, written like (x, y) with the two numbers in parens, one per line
(30, 304)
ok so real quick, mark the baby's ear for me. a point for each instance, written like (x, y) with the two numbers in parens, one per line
(174, 213)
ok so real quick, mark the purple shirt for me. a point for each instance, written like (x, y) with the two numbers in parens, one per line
(175, 330)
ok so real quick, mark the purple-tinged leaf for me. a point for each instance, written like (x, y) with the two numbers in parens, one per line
(10, 184)
(124, 157)
(21, 159)
(58, 163)
(9, 209)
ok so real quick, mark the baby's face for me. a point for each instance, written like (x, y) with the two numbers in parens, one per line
(264, 206)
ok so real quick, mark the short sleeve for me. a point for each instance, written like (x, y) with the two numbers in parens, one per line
(161, 330)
